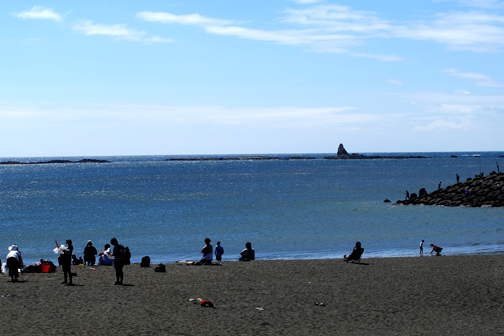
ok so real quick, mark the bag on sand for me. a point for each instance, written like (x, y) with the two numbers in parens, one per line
(145, 262)
(160, 268)
(206, 303)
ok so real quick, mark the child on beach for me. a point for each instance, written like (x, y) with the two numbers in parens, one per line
(219, 251)
(421, 247)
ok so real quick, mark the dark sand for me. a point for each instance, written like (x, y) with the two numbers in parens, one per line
(448, 295)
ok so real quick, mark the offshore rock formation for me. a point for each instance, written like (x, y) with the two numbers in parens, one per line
(54, 161)
(343, 155)
(480, 191)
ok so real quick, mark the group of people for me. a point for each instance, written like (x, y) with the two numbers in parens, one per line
(246, 254)
(119, 257)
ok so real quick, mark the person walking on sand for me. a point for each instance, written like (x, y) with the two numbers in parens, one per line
(207, 252)
(219, 251)
(14, 262)
(119, 260)
(421, 247)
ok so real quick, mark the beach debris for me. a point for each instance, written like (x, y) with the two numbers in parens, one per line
(207, 303)
(260, 308)
(7, 295)
(319, 304)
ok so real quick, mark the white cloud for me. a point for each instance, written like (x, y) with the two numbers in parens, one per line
(394, 81)
(157, 39)
(478, 3)
(190, 19)
(477, 78)
(38, 12)
(462, 92)
(119, 31)
(442, 124)
(473, 31)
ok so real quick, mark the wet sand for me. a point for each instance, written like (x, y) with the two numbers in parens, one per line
(447, 295)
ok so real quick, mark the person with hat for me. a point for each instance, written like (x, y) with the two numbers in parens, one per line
(207, 252)
(14, 262)
(65, 260)
(90, 253)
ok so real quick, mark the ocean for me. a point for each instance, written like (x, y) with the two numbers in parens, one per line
(287, 209)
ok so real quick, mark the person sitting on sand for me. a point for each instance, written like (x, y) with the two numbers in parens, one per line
(436, 249)
(207, 252)
(248, 253)
(356, 253)
(14, 262)
(90, 254)
(105, 257)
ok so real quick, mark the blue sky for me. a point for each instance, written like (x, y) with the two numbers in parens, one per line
(94, 78)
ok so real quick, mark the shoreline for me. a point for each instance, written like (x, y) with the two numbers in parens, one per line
(449, 295)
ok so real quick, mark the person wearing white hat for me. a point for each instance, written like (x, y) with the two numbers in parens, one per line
(14, 262)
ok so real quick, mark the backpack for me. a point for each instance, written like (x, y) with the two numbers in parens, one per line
(123, 255)
(145, 262)
(160, 268)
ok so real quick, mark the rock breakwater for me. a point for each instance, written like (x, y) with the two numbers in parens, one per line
(480, 191)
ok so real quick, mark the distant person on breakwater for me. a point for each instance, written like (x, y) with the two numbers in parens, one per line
(407, 194)
(436, 249)
(248, 252)
(457, 177)
(219, 251)
(90, 253)
(439, 185)
(207, 252)
(421, 247)
(356, 253)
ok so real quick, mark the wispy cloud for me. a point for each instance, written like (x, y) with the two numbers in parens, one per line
(394, 81)
(119, 31)
(477, 3)
(39, 12)
(478, 79)
(443, 124)
(189, 19)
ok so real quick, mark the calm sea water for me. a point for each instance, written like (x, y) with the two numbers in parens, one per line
(288, 209)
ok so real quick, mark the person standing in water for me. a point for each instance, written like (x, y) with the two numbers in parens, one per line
(421, 247)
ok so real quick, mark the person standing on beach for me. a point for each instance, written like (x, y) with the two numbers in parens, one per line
(219, 251)
(65, 260)
(118, 255)
(207, 252)
(14, 262)
(421, 247)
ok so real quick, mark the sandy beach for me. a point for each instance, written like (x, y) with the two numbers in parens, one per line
(447, 295)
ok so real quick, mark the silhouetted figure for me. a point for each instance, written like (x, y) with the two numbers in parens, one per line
(119, 260)
(90, 253)
(219, 251)
(458, 177)
(248, 253)
(207, 252)
(356, 253)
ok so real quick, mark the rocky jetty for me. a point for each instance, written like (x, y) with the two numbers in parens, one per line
(480, 191)
(342, 154)
(54, 161)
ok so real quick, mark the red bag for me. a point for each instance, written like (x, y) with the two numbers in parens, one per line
(206, 303)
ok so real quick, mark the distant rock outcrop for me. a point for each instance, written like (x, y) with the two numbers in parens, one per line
(480, 191)
(343, 155)
(54, 161)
